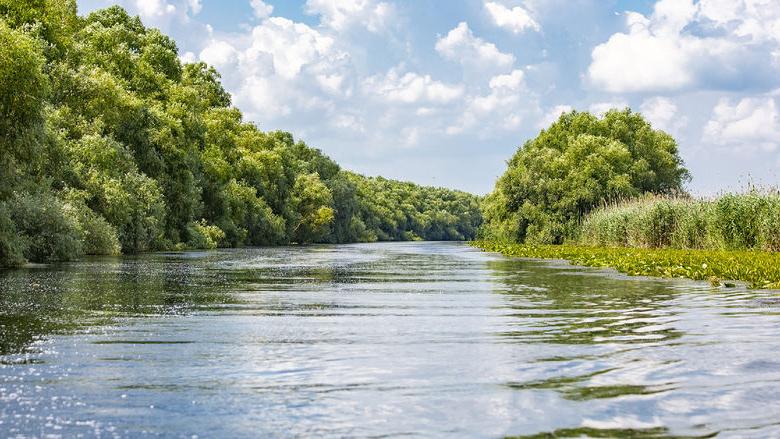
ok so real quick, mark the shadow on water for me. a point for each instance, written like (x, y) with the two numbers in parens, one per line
(566, 305)
(427, 339)
(64, 298)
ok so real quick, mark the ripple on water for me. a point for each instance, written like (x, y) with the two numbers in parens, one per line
(428, 339)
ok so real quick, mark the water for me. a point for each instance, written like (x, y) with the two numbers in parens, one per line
(419, 339)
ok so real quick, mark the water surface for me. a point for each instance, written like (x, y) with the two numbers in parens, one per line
(396, 339)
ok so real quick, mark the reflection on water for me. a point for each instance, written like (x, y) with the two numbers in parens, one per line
(430, 339)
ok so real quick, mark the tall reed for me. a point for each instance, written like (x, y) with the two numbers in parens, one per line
(748, 221)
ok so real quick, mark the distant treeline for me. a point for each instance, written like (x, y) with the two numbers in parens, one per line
(108, 144)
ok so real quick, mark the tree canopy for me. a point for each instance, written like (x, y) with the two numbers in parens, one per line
(577, 164)
(109, 143)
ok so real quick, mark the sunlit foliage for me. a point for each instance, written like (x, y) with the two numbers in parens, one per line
(109, 143)
(574, 166)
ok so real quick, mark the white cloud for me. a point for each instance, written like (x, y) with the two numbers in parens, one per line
(290, 46)
(552, 115)
(411, 88)
(339, 15)
(219, 54)
(195, 6)
(749, 124)
(154, 8)
(516, 20)
(188, 57)
(261, 9)
(662, 112)
(462, 46)
(512, 81)
(502, 108)
(684, 45)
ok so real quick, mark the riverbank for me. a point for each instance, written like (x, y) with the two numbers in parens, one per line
(757, 269)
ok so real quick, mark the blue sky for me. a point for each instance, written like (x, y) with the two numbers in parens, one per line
(443, 92)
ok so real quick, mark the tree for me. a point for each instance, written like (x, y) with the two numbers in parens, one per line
(23, 89)
(108, 141)
(312, 202)
(577, 164)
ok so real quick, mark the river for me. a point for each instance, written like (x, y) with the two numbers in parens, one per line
(387, 339)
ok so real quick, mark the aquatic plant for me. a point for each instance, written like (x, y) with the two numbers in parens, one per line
(758, 269)
(747, 221)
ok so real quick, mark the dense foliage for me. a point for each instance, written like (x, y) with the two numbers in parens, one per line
(109, 143)
(749, 221)
(756, 269)
(577, 164)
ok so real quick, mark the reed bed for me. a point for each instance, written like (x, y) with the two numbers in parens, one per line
(735, 237)
(749, 221)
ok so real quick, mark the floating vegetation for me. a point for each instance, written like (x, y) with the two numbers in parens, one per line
(758, 269)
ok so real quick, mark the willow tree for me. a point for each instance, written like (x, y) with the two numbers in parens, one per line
(577, 164)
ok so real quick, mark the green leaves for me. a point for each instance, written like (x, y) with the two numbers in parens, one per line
(122, 146)
(576, 165)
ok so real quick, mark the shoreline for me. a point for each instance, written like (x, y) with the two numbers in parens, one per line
(757, 269)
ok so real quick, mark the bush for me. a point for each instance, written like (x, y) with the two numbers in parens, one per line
(11, 245)
(49, 230)
(204, 236)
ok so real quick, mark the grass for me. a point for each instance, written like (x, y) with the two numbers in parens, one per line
(748, 221)
(758, 269)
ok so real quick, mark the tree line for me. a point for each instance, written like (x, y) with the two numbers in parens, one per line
(109, 144)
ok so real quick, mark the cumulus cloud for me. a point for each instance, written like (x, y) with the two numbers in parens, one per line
(290, 46)
(462, 46)
(217, 53)
(505, 107)
(515, 20)
(684, 45)
(411, 88)
(261, 9)
(751, 123)
(662, 113)
(340, 15)
(154, 8)
(279, 67)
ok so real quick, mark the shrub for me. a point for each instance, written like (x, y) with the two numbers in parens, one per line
(11, 245)
(49, 231)
(204, 236)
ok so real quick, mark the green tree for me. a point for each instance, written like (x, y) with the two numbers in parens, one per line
(312, 202)
(23, 89)
(577, 164)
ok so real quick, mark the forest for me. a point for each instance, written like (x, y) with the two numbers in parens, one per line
(110, 144)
